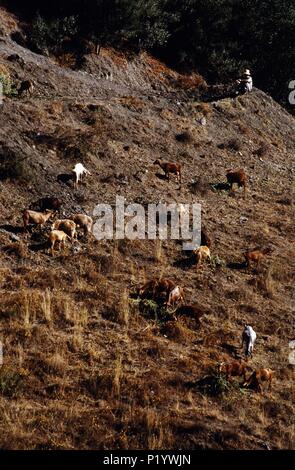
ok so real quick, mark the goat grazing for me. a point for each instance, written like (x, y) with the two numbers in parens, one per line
(157, 289)
(256, 255)
(167, 167)
(233, 369)
(35, 218)
(79, 171)
(83, 221)
(203, 252)
(249, 338)
(57, 236)
(238, 176)
(67, 226)
(26, 87)
(176, 295)
(49, 203)
(258, 376)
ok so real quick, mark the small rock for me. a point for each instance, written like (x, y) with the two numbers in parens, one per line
(243, 220)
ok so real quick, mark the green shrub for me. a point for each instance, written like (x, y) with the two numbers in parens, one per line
(6, 82)
(49, 35)
(217, 262)
(216, 385)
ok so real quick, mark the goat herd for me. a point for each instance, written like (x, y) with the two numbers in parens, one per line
(164, 291)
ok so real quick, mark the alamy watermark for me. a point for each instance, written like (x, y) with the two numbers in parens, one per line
(292, 353)
(136, 222)
(292, 93)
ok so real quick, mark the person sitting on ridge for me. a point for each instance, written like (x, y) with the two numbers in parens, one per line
(245, 83)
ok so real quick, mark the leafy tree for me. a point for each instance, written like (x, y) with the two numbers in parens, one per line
(216, 37)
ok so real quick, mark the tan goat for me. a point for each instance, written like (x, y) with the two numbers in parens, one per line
(176, 295)
(35, 218)
(202, 253)
(66, 225)
(57, 236)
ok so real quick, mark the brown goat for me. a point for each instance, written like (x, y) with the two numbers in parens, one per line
(238, 176)
(167, 167)
(258, 376)
(49, 203)
(83, 221)
(67, 226)
(233, 369)
(157, 289)
(26, 86)
(35, 218)
(256, 255)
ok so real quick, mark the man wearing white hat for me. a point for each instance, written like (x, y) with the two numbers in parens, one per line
(245, 82)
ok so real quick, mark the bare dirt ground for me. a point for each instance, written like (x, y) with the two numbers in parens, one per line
(84, 366)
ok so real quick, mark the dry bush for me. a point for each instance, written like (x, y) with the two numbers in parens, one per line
(158, 251)
(11, 381)
(232, 144)
(277, 143)
(262, 150)
(46, 305)
(133, 103)
(265, 282)
(245, 130)
(124, 309)
(177, 331)
(118, 375)
(188, 82)
(204, 108)
(55, 364)
(199, 186)
(155, 431)
(185, 137)
(19, 249)
(68, 60)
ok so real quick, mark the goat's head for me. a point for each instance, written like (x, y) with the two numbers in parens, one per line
(49, 212)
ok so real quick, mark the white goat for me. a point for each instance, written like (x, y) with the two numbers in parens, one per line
(80, 170)
(249, 338)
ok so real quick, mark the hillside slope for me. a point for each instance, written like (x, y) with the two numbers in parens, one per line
(84, 366)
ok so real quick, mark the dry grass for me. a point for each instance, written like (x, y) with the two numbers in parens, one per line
(191, 82)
